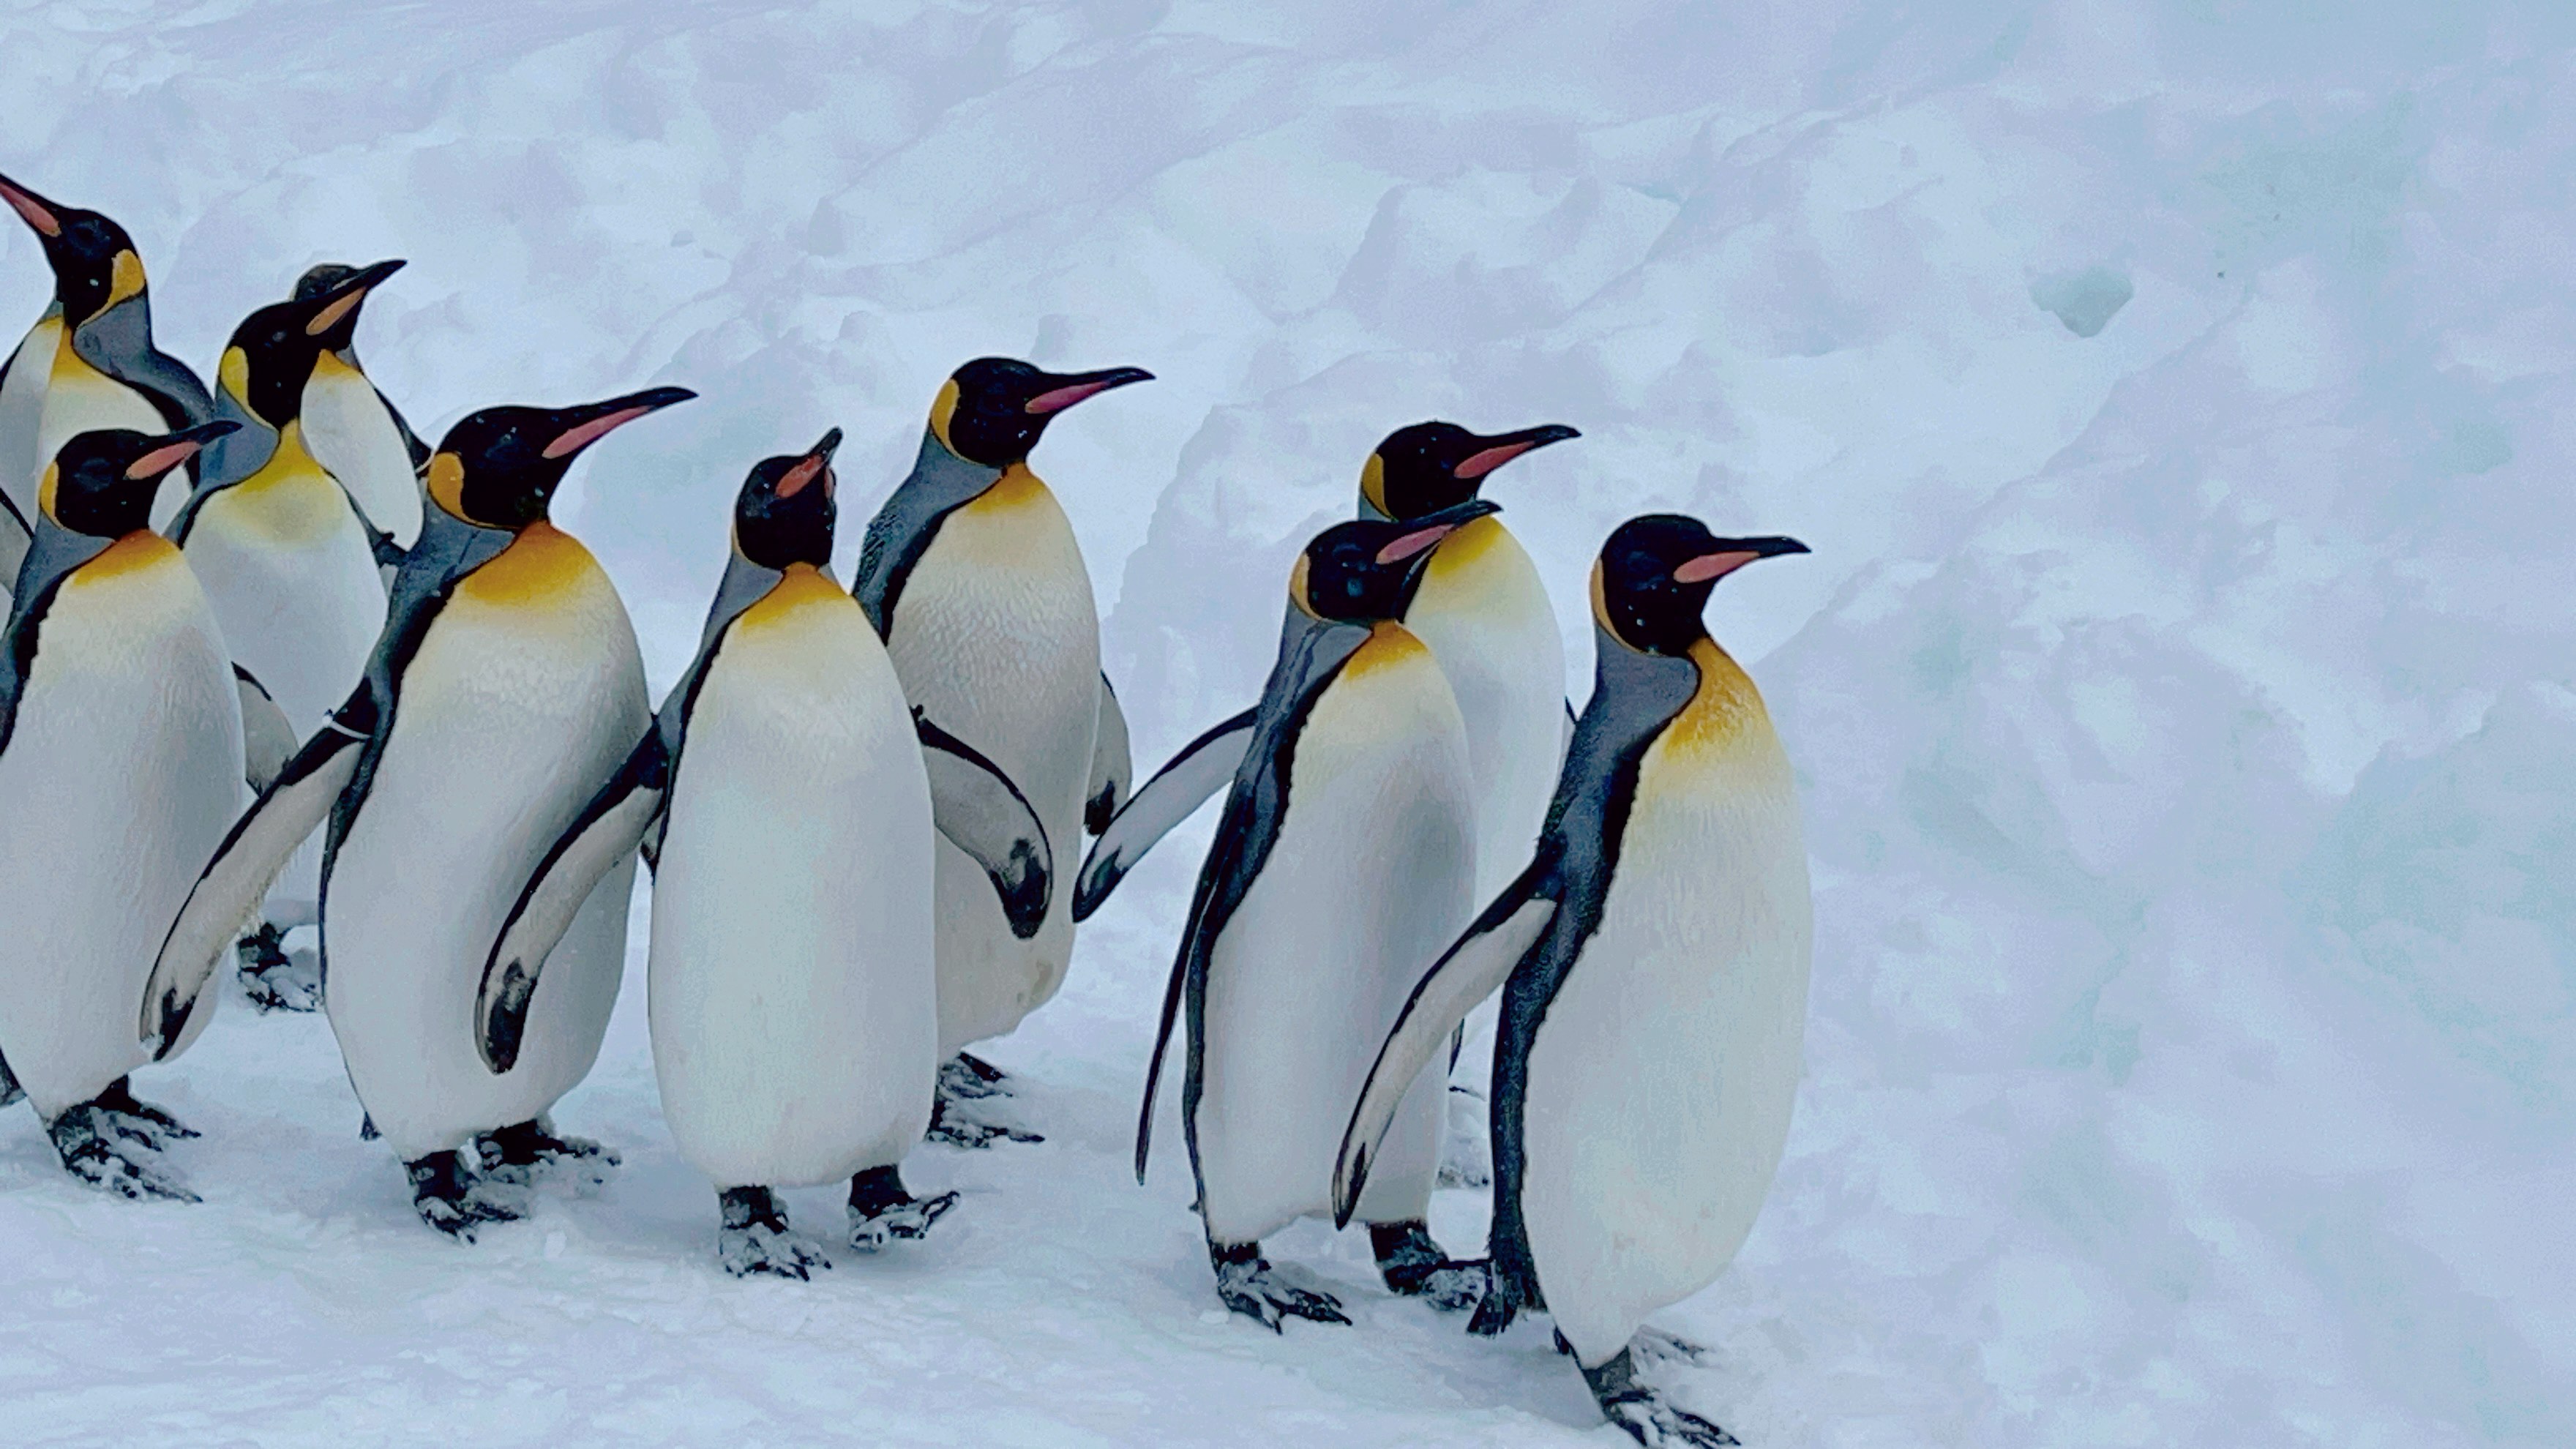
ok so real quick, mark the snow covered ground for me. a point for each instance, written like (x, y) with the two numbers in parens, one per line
(2178, 397)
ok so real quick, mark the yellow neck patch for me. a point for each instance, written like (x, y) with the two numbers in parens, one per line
(124, 278)
(801, 587)
(541, 565)
(447, 484)
(45, 489)
(942, 408)
(329, 365)
(1724, 712)
(139, 550)
(233, 375)
(1459, 553)
(291, 462)
(1017, 488)
(1373, 483)
(1389, 645)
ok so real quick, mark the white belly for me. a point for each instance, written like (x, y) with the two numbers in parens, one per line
(121, 777)
(509, 720)
(1367, 883)
(80, 399)
(794, 997)
(351, 432)
(1661, 1077)
(1486, 617)
(996, 638)
(22, 414)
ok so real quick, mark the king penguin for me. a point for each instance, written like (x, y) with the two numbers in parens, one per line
(120, 738)
(971, 575)
(794, 794)
(506, 686)
(1344, 859)
(1653, 957)
(291, 565)
(89, 361)
(354, 430)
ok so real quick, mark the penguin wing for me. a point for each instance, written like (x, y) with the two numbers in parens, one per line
(118, 342)
(1465, 974)
(611, 825)
(1203, 767)
(983, 814)
(16, 537)
(52, 553)
(1113, 768)
(232, 884)
(268, 738)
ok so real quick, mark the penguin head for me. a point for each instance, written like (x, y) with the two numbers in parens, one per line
(102, 483)
(1655, 574)
(1364, 571)
(1430, 466)
(499, 468)
(94, 262)
(330, 282)
(992, 410)
(272, 353)
(785, 513)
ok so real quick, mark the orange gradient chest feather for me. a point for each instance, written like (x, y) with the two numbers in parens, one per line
(1390, 646)
(1724, 714)
(543, 565)
(795, 599)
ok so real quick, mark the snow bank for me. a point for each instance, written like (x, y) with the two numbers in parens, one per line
(2176, 397)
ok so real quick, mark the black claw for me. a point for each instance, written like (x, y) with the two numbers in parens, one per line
(883, 1211)
(756, 1241)
(1246, 1283)
(119, 1098)
(950, 1125)
(1644, 1413)
(271, 978)
(445, 1195)
(1414, 1266)
(530, 1144)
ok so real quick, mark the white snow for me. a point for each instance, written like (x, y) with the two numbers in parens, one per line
(2183, 710)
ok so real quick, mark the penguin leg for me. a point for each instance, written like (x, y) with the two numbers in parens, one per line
(1415, 1267)
(1250, 1286)
(882, 1209)
(755, 1238)
(114, 1152)
(523, 1151)
(1644, 1413)
(273, 979)
(445, 1194)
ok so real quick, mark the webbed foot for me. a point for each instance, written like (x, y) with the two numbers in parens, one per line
(274, 979)
(114, 1153)
(969, 1077)
(1253, 1288)
(527, 1150)
(956, 1124)
(449, 1198)
(1653, 1345)
(756, 1241)
(141, 1120)
(882, 1210)
(1644, 1413)
(1414, 1267)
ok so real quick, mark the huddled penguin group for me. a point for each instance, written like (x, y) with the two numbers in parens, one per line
(274, 665)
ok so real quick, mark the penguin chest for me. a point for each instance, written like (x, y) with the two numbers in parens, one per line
(1367, 879)
(1660, 1078)
(793, 997)
(22, 412)
(294, 582)
(1485, 614)
(352, 433)
(121, 775)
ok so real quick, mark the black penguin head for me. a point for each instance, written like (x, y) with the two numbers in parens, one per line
(102, 483)
(499, 468)
(95, 266)
(1362, 572)
(271, 355)
(1430, 466)
(785, 513)
(993, 409)
(1655, 574)
(338, 281)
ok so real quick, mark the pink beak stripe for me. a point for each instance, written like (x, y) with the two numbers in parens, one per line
(1413, 543)
(793, 481)
(1480, 464)
(32, 209)
(576, 439)
(160, 460)
(1058, 399)
(1713, 566)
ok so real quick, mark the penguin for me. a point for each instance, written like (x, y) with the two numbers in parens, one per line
(793, 795)
(120, 732)
(971, 575)
(354, 430)
(1345, 857)
(1653, 956)
(506, 686)
(89, 361)
(292, 566)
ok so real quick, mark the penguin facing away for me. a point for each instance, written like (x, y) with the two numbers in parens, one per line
(506, 686)
(1653, 958)
(120, 738)
(971, 575)
(355, 431)
(793, 793)
(89, 361)
(1344, 858)
(291, 564)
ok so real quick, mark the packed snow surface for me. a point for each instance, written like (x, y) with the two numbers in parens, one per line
(2180, 398)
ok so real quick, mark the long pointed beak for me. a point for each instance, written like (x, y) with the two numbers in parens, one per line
(345, 295)
(1732, 554)
(817, 463)
(590, 422)
(1074, 387)
(35, 210)
(1430, 528)
(1504, 447)
(177, 449)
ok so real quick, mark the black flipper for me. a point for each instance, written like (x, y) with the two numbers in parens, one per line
(1203, 767)
(1113, 764)
(983, 814)
(268, 737)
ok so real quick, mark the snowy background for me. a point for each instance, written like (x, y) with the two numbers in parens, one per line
(2180, 399)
